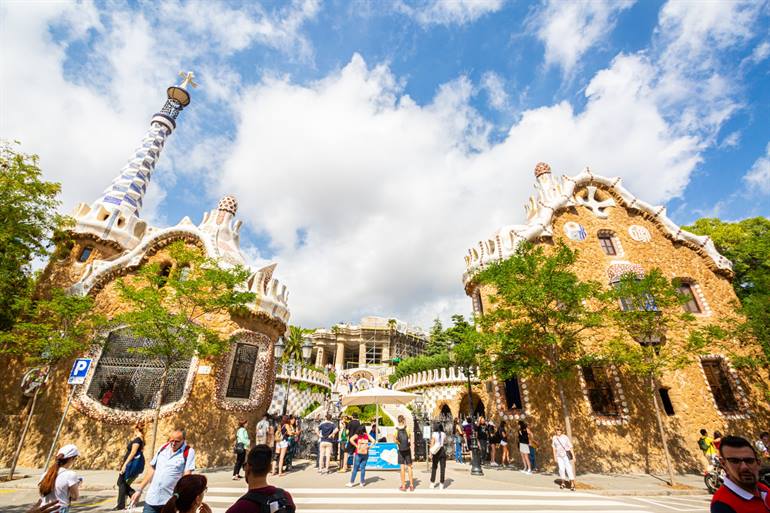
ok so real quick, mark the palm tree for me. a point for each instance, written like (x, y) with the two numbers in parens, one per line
(293, 348)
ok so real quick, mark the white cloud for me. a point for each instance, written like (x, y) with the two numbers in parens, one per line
(494, 86)
(391, 194)
(569, 29)
(758, 177)
(448, 12)
(230, 30)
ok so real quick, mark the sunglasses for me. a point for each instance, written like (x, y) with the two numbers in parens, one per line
(738, 461)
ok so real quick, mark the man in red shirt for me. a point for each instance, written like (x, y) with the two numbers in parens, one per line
(741, 492)
(261, 497)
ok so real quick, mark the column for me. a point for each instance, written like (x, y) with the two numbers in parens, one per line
(319, 357)
(362, 354)
(339, 358)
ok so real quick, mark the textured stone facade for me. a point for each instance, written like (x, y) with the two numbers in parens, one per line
(643, 239)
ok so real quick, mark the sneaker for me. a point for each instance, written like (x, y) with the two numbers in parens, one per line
(411, 487)
(432, 485)
(350, 485)
(493, 464)
(441, 486)
(363, 484)
(528, 472)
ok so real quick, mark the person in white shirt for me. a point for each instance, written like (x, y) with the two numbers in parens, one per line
(59, 483)
(562, 453)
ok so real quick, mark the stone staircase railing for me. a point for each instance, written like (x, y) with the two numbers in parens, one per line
(304, 374)
(442, 376)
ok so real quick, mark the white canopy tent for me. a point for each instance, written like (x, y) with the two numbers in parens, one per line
(378, 396)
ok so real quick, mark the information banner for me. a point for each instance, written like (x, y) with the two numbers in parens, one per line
(383, 456)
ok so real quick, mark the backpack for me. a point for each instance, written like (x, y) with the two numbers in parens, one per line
(275, 503)
(184, 453)
(262, 428)
(703, 444)
(403, 439)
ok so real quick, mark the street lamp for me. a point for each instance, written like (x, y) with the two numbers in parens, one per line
(278, 348)
(420, 415)
(475, 449)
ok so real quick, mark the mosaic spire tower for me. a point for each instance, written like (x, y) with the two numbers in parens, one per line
(114, 217)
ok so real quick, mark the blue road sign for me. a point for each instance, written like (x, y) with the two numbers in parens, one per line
(79, 371)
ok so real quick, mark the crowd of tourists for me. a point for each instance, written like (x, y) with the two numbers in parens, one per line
(169, 484)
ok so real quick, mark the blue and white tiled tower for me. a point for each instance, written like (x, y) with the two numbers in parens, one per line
(114, 217)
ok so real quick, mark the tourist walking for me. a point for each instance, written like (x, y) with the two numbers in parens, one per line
(188, 496)
(261, 431)
(343, 446)
(438, 452)
(326, 432)
(524, 447)
(242, 444)
(132, 466)
(494, 442)
(282, 443)
(563, 455)
(468, 430)
(741, 491)
(505, 459)
(763, 447)
(362, 441)
(482, 434)
(404, 445)
(459, 435)
(172, 461)
(706, 445)
(352, 430)
(60, 483)
(261, 496)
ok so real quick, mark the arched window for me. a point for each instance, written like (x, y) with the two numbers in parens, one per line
(513, 393)
(599, 389)
(126, 380)
(609, 242)
(85, 253)
(692, 305)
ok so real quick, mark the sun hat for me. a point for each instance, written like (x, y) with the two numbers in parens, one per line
(68, 451)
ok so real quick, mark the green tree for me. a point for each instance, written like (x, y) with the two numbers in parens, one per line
(541, 313)
(50, 331)
(657, 336)
(747, 244)
(28, 224)
(166, 304)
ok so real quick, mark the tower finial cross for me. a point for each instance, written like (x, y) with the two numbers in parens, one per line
(187, 78)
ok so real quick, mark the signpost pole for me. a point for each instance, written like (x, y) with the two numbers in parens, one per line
(58, 429)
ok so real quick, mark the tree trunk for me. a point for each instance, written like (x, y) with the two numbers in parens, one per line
(662, 433)
(23, 434)
(163, 380)
(564, 409)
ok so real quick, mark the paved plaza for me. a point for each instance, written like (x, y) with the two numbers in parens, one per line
(497, 491)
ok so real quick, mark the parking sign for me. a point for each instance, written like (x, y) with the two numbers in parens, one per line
(79, 371)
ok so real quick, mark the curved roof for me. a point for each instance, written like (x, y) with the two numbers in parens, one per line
(554, 195)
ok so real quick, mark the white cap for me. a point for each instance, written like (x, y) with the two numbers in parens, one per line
(68, 451)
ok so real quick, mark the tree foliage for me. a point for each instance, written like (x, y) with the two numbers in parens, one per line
(168, 302)
(28, 225)
(541, 313)
(747, 244)
(53, 329)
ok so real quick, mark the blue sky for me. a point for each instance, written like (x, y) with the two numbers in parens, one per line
(371, 143)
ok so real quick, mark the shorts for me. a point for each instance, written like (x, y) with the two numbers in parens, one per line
(405, 457)
(282, 444)
(524, 448)
(503, 443)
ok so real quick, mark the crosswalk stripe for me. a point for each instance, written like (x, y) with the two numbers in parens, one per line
(419, 491)
(437, 501)
(475, 510)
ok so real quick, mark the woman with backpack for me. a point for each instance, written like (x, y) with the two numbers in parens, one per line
(133, 465)
(438, 451)
(401, 437)
(362, 441)
(282, 443)
(59, 483)
(188, 496)
(242, 444)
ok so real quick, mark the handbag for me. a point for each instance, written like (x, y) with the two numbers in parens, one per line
(134, 467)
(239, 448)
